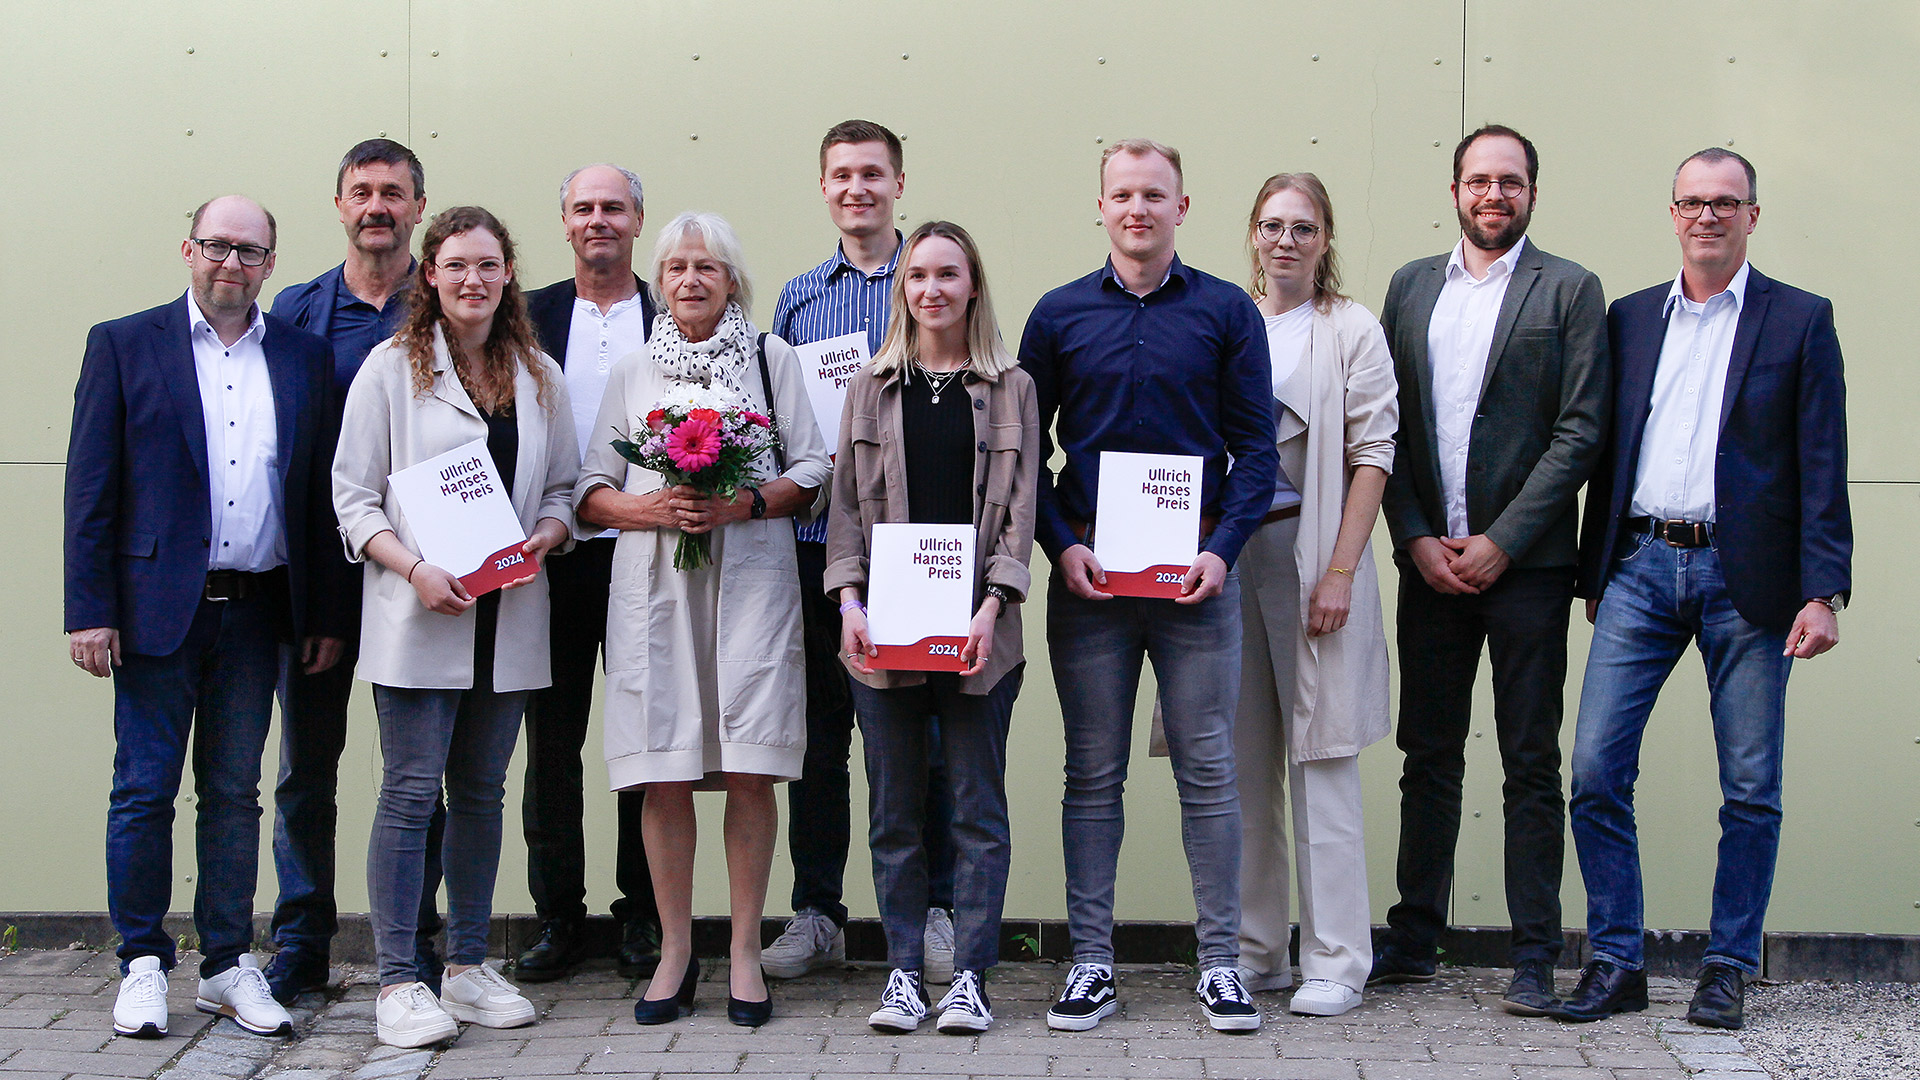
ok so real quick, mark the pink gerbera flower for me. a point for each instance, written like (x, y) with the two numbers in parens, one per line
(693, 445)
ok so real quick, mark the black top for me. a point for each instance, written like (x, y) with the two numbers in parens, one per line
(503, 443)
(939, 450)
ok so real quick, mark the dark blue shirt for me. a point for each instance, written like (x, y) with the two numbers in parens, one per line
(1182, 370)
(325, 306)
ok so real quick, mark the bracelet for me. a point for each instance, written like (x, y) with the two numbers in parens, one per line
(852, 604)
(411, 569)
(1339, 570)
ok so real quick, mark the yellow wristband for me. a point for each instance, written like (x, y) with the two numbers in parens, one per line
(1339, 570)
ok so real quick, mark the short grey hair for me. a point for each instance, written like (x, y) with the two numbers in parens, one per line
(1713, 155)
(720, 241)
(634, 191)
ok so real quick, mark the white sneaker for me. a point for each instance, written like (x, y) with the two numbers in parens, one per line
(242, 992)
(903, 1004)
(411, 1016)
(809, 941)
(479, 995)
(141, 1009)
(1257, 983)
(938, 945)
(965, 1011)
(1323, 997)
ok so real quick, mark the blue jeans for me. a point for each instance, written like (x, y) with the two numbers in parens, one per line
(464, 738)
(1096, 647)
(896, 728)
(218, 687)
(313, 735)
(1657, 599)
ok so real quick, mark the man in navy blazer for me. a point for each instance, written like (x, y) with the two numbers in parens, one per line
(1719, 516)
(197, 504)
(587, 323)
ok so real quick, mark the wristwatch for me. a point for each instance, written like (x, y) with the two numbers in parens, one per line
(1835, 603)
(1000, 593)
(759, 504)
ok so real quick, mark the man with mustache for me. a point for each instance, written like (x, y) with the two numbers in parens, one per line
(1501, 354)
(380, 191)
(587, 323)
(1719, 516)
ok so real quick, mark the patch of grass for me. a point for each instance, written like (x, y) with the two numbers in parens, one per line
(10, 938)
(1028, 944)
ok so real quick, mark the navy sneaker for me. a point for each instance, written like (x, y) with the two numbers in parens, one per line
(1089, 997)
(291, 973)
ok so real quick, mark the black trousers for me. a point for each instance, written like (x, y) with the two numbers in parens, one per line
(1522, 621)
(552, 804)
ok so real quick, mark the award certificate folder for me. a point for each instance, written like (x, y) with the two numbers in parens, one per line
(1147, 522)
(920, 595)
(829, 366)
(462, 517)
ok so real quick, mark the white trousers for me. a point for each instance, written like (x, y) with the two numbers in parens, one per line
(1329, 846)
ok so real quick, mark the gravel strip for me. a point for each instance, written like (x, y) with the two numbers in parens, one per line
(1834, 1031)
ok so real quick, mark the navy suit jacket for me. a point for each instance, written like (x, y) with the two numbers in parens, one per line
(139, 517)
(1782, 524)
(551, 310)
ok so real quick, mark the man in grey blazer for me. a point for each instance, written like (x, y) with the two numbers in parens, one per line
(1501, 353)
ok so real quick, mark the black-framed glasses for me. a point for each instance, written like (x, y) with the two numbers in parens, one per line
(1509, 187)
(218, 250)
(1272, 229)
(1722, 208)
(491, 270)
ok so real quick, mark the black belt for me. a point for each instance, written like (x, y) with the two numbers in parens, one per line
(223, 585)
(1681, 534)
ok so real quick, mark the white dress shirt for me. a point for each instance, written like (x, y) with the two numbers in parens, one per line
(1682, 439)
(243, 445)
(595, 341)
(1459, 337)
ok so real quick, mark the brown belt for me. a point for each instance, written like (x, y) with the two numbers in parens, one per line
(1681, 534)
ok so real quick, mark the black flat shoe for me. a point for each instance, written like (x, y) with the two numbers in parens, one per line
(666, 1010)
(749, 1013)
(1605, 988)
(1720, 999)
(1394, 964)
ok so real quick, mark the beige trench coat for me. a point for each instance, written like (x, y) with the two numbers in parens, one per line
(659, 725)
(387, 428)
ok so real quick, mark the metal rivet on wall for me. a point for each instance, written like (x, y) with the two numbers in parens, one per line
(1729, 142)
(189, 131)
(903, 56)
(1436, 224)
(1730, 59)
(433, 134)
(383, 52)
(189, 50)
(1102, 60)
(1476, 813)
(435, 52)
(1314, 139)
(1476, 896)
(1316, 58)
(1436, 142)
(382, 134)
(1436, 61)
(696, 56)
(903, 217)
(693, 137)
(1486, 59)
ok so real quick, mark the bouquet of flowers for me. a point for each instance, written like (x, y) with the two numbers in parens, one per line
(706, 438)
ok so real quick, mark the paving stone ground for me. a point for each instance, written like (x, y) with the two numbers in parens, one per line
(55, 1024)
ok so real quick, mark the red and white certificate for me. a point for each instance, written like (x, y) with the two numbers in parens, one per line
(829, 366)
(920, 595)
(1147, 522)
(461, 515)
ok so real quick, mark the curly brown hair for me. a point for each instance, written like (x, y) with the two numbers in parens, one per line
(510, 344)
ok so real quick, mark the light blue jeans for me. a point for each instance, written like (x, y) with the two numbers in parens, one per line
(1096, 648)
(1659, 598)
(464, 739)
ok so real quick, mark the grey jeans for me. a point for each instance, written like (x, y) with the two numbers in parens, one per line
(464, 739)
(1096, 647)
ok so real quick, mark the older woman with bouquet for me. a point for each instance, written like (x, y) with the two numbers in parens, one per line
(709, 439)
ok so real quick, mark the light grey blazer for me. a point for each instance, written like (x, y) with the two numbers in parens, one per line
(386, 428)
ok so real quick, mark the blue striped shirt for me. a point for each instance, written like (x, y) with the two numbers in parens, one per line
(827, 301)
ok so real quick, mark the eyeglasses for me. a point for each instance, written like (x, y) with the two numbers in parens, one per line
(1690, 208)
(491, 270)
(1271, 230)
(1480, 185)
(216, 251)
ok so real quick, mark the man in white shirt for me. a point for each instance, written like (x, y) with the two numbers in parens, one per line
(587, 323)
(1500, 350)
(198, 521)
(1719, 516)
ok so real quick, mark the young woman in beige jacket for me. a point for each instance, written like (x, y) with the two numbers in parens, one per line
(1313, 683)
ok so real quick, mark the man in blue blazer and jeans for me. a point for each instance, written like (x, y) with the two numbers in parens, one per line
(1719, 516)
(197, 506)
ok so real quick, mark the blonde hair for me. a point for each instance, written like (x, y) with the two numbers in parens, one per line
(1326, 275)
(902, 344)
(1141, 148)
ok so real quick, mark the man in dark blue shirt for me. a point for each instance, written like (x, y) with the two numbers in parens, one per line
(1148, 355)
(381, 194)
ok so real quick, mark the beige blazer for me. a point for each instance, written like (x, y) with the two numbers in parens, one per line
(387, 428)
(1341, 411)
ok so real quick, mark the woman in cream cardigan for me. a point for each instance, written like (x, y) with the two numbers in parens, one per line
(706, 684)
(450, 671)
(1313, 684)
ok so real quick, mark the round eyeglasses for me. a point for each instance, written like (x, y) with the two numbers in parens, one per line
(1271, 230)
(490, 270)
(1480, 185)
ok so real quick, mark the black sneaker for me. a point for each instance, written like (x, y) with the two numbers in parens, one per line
(1089, 997)
(561, 945)
(1393, 964)
(1226, 1002)
(291, 973)
(903, 1004)
(965, 1010)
